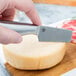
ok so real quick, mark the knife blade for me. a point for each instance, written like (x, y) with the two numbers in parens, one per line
(50, 34)
(44, 33)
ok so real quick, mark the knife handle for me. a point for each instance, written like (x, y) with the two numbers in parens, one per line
(22, 28)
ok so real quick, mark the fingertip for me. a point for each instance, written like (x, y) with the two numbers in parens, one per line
(33, 15)
(8, 36)
(37, 22)
(18, 39)
(15, 38)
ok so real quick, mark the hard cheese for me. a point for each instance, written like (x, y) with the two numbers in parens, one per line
(31, 54)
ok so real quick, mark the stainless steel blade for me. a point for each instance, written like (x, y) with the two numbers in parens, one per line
(50, 34)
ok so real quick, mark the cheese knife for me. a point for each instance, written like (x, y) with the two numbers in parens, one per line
(44, 33)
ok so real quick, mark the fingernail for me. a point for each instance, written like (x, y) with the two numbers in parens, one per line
(18, 40)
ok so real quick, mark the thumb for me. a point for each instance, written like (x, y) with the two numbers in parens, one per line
(9, 36)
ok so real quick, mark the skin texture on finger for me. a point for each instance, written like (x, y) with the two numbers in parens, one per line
(7, 10)
(8, 14)
(28, 7)
(3, 5)
(32, 14)
(0, 16)
(9, 36)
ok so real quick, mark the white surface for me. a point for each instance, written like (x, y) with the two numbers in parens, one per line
(70, 73)
(2, 59)
(50, 13)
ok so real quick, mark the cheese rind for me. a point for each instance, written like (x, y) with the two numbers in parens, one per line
(31, 54)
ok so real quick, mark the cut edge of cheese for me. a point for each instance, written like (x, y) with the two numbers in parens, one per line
(31, 62)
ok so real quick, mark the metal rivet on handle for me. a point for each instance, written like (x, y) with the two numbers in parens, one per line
(43, 29)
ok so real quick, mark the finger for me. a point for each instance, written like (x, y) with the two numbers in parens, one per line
(32, 14)
(28, 7)
(9, 36)
(8, 14)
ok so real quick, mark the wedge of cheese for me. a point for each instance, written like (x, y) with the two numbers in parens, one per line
(31, 54)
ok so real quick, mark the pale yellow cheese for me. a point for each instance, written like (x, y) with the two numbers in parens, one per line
(31, 54)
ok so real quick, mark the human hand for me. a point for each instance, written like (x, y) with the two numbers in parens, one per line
(7, 12)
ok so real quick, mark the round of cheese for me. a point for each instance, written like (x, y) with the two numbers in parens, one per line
(31, 54)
